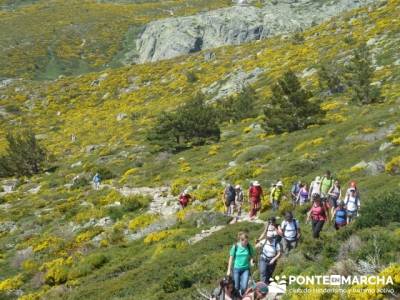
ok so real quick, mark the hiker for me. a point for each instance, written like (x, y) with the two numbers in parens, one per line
(352, 202)
(229, 199)
(184, 198)
(96, 181)
(327, 182)
(317, 214)
(272, 229)
(258, 291)
(239, 198)
(240, 259)
(226, 290)
(294, 192)
(255, 196)
(276, 195)
(335, 193)
(302, 197)
(315, 186)
(290, 232)
(340, 216)
(270, 253)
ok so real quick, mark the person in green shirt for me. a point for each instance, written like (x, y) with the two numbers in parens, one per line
(326, 185)
(241, 257)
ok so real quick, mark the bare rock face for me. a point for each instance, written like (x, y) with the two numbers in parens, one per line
(172, 37)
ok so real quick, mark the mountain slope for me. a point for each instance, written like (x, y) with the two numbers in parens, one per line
(60, 239)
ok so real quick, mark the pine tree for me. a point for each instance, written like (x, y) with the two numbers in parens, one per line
(359, 73)
(331, 77)
(24, 156)
(290, 108)
(194, 123)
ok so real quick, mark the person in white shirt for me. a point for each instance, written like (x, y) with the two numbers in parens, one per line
(352, 202)
(270, 252)
(290, 232)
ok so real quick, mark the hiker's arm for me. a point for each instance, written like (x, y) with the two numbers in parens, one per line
(272, 261)
(229, 265)
(262, 234)
(333, 214)
(308, 215)
(298, 231)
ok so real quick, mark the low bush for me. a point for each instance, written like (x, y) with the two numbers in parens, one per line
(380, 210)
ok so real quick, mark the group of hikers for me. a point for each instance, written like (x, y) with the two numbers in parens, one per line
(328, 203)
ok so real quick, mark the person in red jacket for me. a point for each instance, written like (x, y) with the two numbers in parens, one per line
(255, 196)
(184, 198)
(318, 214)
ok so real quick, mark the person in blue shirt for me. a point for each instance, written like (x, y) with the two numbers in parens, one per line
(340, 216)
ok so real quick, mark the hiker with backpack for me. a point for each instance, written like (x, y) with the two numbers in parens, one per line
(272, 229)
(317, 214)
(339, 214)
(276, 195)
(229, 199)
(270, 253)
(315, 186)
(258, 291)
(96, 181)
(184, 199)
(241, 258)
(239, 198)
(226, 290)
(290, 232)
(294, 192)
(327, 182)
(335, 193)
(303, 195)
(352, 202)
(255, 196)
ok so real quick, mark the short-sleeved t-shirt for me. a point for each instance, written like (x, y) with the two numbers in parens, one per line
(290, 232)
(242, 257)
(326, 184)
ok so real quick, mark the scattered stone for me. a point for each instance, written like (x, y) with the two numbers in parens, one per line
(8, 227)
(121, 116)
(209, 56)
(204, 233)
(42, 136)
(103, 222)
(232, 83)
(375, 167)
(77, 164)
(35, 190)
(10, 186)
(91, 148)
(232, 164)
(385, 146)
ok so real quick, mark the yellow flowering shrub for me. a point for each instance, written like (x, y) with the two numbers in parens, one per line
(393, 166)
(51, 242)
(142, 221)
(160, 235)
(314, 142)
(184, 167)
(369, 291)
(87, 235)
(330, 105)
(11, 284)
(214, 150)
(178, 185)
(56, 270)
(111, 197)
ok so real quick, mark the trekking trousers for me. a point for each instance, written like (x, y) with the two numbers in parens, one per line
(266, 270)
(275, 205)
(289, 245)
(317, 227)
(241, 279)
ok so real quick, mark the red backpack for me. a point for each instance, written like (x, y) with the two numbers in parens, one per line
(255, 192)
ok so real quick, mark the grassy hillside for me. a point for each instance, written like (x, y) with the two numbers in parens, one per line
(45, 39)
(66, 264)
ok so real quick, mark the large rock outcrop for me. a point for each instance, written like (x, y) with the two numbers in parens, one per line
(172, 37)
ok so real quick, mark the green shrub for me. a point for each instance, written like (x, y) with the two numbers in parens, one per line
(177, 281)
(238, 108)
(79, 182)
(135, 202)
(24, 156)
(360, 72)
(380, 210)
(290, 108)
(105, 173)
(194, 123)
